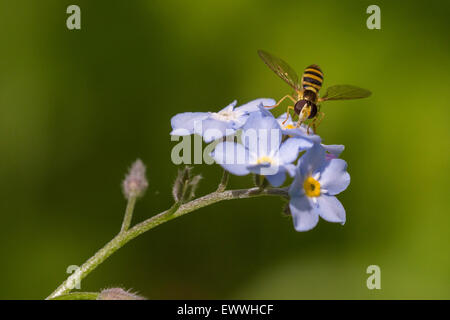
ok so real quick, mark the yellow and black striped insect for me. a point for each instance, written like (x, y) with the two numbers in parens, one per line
(306, 97)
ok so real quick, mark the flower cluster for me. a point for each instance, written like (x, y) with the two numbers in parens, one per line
(251, 140)
(214, 125)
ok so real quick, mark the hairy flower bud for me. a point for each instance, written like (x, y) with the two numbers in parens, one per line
(135, 182)
(118, 294)
(185, 185)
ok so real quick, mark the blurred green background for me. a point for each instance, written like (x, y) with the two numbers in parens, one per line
(77, 107)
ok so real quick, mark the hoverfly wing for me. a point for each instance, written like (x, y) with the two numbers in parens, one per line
(345, 92)
(281, 68)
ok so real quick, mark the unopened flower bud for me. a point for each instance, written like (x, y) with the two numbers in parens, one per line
(185, 185)
(135, 182)
(118, 294)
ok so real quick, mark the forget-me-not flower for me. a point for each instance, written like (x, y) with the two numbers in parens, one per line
(262, 151)
(318, 179)
(214, 125)
(289, 128)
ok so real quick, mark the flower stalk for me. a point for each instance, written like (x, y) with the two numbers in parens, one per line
(175, 211)
(128, 214)
(223, 182)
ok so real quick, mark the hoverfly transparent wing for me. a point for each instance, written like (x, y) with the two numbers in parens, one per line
(281, 68)
(344, 92)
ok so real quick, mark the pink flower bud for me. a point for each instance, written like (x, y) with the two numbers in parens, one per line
(135, 182)
(118, 294)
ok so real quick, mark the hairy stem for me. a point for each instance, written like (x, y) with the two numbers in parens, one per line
(128, 214)
(223, 182)
(175, 211)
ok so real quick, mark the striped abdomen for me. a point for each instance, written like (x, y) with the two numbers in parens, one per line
(312, 78)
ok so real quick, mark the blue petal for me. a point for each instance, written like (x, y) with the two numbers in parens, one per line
(277, 180)
(186, 121)
(212, 129)
(230, 107)
(180, 132)
(334, 149)
(232, 157)
(291, 169)
(296, 188)
(261, 134)
(254, 105)
(334, 176)
(312, 160)
(239, 122)
(302, 133)
(265, 169)
(287, 120)
(265, 112)
(304, 216)
(331, 209)
(290, 149)
(262, 119)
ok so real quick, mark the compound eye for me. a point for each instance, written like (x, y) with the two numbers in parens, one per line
(313, 111)
(299, 106)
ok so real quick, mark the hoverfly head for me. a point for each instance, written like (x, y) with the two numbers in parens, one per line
(303, 109)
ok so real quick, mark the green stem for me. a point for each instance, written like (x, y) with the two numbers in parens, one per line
(175, 211)
(223, 182)
(128, 214)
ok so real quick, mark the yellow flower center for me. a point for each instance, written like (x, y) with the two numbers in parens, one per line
(289, 126)
(264, 159)
(312, 187)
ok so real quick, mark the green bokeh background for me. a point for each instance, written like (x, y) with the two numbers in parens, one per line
(77, 107)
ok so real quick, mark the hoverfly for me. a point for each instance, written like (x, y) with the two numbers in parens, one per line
(306, 97)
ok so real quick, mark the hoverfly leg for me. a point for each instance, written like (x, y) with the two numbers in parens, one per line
(321, 115)
(287, 114)
(281, 100)
(317, 120)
